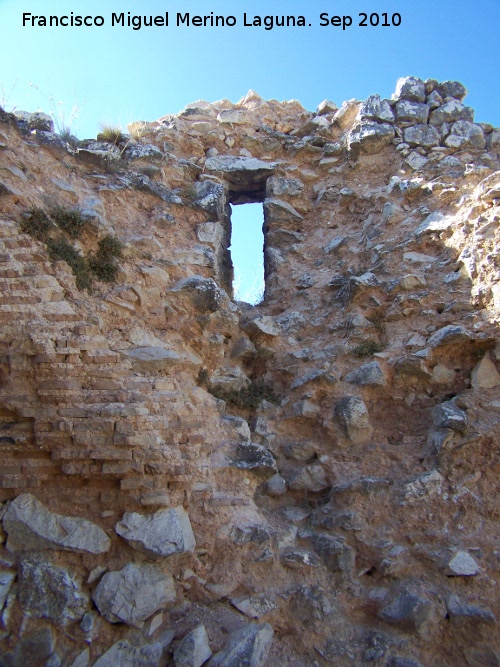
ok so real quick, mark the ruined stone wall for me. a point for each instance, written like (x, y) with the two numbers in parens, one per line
(308, 481)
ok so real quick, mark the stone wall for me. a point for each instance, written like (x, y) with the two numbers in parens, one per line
(308, 481)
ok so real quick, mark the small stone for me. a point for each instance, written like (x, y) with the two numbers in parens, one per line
(276, 486)
(6, 580)
(367, 375)
(441, 374)
(485, 374)
(297, 559)
(326, 107)
(412, 281)
(253, 457)
(312, 478)
(263, 324)
(352, 415)
(194, 650)
(462, 565)
(254, 607)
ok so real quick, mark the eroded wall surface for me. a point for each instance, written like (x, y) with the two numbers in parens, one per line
(309, 481)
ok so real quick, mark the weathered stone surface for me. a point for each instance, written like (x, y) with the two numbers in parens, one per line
(450, 112)
(373, 108)
(367, 375)
(410, 88)
(326, 107)
(371, 138)
(194, 650)
(464, 134)
(352, 415)
(277, 210)
(254, 607)
(142, 151)
(6, 580)
(143, 182)
(248, 647)
(297, 559)
(161, 534)
(33, 649)
(424, 487)
(447, 415)
(239, 170)
(251, 456)
(156, 358)
(263, 324)
(134, 593)
(408, 610)
(462, 612)
(125, 654)
(485, 375)
(452, 89)
(334, 552)
(435, 222)
(277, 186)
(48, 591)
(205, 294)
(275, 486)
(311, 478)
(210, 197)
(229, 378)
(448, 335)
(30, 525)
(411, 113)
(462, 565)
(422, 135)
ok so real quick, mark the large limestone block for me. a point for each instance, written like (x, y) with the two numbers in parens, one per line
(277, 210)
(450, 112)
(465, 134)
(48, 591)
(238, 169)
(422, 135)
(410, 88)
(134, 593)
(371, 138)
(373, 108)
(248, 647)
(352, 415)
(163, 533)
(30, 525)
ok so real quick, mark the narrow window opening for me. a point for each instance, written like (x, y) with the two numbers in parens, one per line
(247, 252)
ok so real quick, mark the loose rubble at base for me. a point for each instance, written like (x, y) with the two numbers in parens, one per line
(189, 480)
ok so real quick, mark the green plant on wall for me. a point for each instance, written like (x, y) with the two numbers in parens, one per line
(59, 224)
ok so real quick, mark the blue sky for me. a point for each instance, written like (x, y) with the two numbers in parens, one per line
(115, 75)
